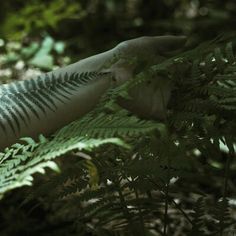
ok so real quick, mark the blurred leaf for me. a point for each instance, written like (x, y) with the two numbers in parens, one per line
(29, 51)
(59, 47)
(42, 58)
(47, 46)
(42, 61)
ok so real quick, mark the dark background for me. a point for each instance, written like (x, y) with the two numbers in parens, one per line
(65, 31)
(96, 25)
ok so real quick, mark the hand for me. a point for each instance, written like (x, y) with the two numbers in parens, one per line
(149, 99)
(149, 46)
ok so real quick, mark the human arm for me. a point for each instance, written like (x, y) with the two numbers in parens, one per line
(47, 103)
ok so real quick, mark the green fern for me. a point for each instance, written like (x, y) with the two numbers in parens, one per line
(198, 218)
(85, 134)
(20, 99)
(222, 215)
(123, 191)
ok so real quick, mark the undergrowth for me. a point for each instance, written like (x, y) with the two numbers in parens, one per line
(123, 175)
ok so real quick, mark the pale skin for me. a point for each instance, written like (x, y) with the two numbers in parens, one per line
(84, 99)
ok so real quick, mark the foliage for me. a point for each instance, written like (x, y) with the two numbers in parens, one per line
(78, 22)
(24, 60)
(114, 173)
(37, 15)
(134, 187)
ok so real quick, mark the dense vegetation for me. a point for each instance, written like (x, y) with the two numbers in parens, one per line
(114, 173)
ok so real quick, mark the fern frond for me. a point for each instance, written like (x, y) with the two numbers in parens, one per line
(222, 215)
(107, 125)
(23, 99)
(198, 218)
(84, 134)
(14, 172)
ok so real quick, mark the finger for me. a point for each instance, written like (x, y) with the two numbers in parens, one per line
(167, 43)
(147, 46)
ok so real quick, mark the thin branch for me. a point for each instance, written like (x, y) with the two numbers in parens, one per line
(225, 188)
(174, 202)
(167, 198)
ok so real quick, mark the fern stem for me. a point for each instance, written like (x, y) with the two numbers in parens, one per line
(166, 209)
(181, 210)
(226, 178)
(168, 171)
(178, 207)
(124, 207)
(166, 197)
(225, 188)
(140, 211)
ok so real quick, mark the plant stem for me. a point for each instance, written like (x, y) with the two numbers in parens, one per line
(166, 198)
(181, 210)
(225, 188)
(140, 212)
(226, 178)
(124, 207)
(174, 202)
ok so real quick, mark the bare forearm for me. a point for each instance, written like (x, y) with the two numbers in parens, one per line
(47, 103)
(93, 63)
(27, 109)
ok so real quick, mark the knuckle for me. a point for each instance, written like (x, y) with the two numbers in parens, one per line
(123, 46)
